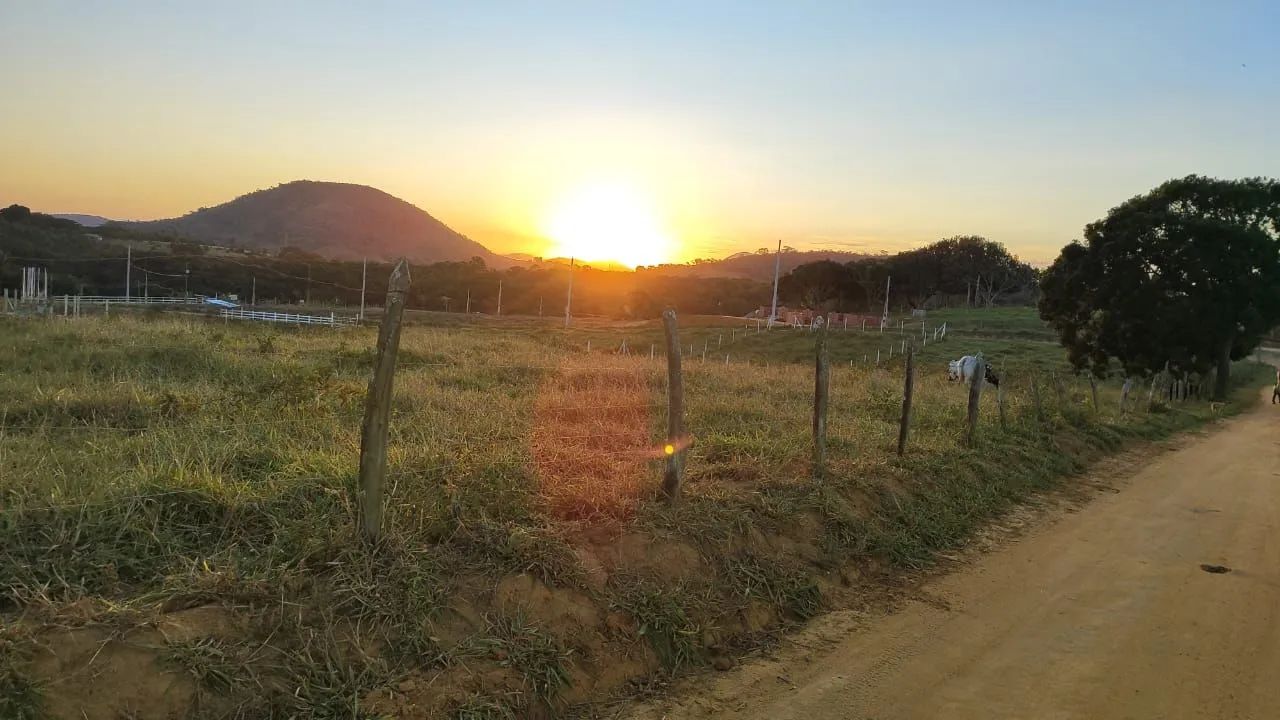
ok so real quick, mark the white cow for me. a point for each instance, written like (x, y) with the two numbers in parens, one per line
(962, 370)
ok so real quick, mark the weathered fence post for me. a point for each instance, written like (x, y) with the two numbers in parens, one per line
(1093, 389)
(1004, 423)
(377, 409)
(821, 382)
(907, 385)
(975, 397)
(1124, 394)
(675, 411)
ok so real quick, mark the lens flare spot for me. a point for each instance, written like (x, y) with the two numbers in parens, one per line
(669, 449)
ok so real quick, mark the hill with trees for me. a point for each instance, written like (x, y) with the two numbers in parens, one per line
(757, 265)
(965, 269)
(334, 220)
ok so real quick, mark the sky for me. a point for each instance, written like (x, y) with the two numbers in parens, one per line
(726, 125)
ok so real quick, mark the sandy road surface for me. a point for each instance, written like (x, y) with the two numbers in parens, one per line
(1103, 613)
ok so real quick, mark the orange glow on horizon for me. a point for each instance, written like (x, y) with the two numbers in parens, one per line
(608, 222)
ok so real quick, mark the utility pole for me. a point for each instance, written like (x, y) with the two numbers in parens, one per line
(186, 283)
(145, 290)
(777, 266)
(539, 306)
(364, 278)
(568, 303)
(128, 268)
(468, 311)
(884, 319)
(308, 300)
(499, 297)
(253, 298)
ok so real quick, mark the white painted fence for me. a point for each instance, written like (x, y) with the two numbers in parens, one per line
(295, 319)
(121, 300)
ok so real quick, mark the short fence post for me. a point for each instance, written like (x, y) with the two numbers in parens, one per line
(1124, 394)
(975, 397)
(377, 411)
(1093, 389)
(1059, 390)
(675, 411)
(907, 385)
(821, 382)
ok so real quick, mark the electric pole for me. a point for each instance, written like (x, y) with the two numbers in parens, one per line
(468, 311)
(568, 303)
(777, 266)
(308, 300)
(253, 300)
(128, 267)
(884, 319)
(499, 298)
(364, 278)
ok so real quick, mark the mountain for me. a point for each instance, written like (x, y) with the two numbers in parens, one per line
(334, 220)
(85, 220)
(753, 266)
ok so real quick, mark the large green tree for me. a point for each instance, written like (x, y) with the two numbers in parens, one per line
(1186, 276)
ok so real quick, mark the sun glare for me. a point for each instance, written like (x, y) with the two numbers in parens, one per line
(608, 222)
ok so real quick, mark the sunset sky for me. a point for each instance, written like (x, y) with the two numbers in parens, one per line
(720, 126)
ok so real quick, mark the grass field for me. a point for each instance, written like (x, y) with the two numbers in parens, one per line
(177, 495)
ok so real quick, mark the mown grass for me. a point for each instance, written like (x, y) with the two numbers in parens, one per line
(154, 464)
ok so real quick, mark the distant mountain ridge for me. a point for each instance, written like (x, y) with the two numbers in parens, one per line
(82, 219)
(335, 220)
(754, 265)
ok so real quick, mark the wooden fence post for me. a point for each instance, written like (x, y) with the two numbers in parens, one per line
(975, 397)
(1004, 424)
(675, 411)
(821, 383)
(377, 409)
(1093, 389)
(1124, 394)
(907, 384)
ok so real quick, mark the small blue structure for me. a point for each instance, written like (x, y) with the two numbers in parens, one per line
(220, 303)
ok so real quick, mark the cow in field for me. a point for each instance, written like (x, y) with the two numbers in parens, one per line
(962, 370)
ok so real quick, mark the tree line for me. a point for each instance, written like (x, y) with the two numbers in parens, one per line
(92, 262)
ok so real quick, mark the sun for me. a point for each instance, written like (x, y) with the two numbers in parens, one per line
(608, 221)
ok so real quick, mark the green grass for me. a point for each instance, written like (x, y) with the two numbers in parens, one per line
(153, 463)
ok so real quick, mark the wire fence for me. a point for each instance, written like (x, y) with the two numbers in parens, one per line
(645, 443)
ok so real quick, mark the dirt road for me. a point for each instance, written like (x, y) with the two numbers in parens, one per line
(1103, 614)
